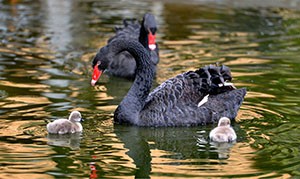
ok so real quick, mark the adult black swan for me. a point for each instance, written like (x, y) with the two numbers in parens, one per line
(123, 64)
(193, 98)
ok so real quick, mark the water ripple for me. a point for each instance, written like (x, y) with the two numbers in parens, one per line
(45, 73)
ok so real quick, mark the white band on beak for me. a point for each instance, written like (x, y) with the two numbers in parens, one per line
(152, 46)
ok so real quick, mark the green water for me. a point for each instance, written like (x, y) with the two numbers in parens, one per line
(46, 49)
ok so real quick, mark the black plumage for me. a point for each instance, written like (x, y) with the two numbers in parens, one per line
(176, 101)
(123, 64)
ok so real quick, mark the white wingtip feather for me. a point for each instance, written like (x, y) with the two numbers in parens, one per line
(204, 100)
(227, 84)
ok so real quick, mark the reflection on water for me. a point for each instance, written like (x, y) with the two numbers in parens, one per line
(45, 53)
(223, 149)
(67, 140)
(57, 26)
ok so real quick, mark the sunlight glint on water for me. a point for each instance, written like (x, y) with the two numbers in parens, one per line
(45, 70)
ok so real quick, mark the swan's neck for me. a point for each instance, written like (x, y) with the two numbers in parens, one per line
(78, 126)
(129, 109)
(143, 38)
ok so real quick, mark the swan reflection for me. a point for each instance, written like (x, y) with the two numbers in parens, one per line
(66, 140)
(223, 149)
(177, 148)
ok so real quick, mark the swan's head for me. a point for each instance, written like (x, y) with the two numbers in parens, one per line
(150, 27)
(99, 64)
(75, 116)
(224, 121)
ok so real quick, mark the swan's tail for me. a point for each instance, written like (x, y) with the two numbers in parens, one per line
(214, 83)
(127, 23)
(215, 79)
(129, 30)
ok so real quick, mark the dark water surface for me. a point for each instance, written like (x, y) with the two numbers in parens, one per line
(45, 53)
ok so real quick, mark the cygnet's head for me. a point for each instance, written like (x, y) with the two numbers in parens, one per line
(224, 121)
(75, 116)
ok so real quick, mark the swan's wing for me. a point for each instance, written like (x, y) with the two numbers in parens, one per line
(122, 64)
(187, 88)
(225, 104)
(166, 95)
(176, 101)
(130, 30)
(176, 93)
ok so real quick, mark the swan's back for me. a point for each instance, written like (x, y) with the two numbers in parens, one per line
(175, 102)
(130, 30)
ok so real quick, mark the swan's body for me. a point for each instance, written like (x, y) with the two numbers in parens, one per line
(64, 126)
(174, 102)
(224, 132)
(123, 64)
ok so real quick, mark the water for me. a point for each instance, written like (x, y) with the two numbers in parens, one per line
(45, 53)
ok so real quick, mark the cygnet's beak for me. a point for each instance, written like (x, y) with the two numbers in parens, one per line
(81, 119)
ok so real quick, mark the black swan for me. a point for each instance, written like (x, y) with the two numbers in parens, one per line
(192, 98)
(123, 64)
(224, 132)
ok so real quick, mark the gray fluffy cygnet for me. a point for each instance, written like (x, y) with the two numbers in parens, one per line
(64, 126)
(224, 132)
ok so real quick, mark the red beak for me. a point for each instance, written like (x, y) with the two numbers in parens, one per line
(96, 75)
(151, 41)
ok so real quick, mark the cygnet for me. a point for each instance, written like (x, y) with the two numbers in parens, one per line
(64, 126)
(224, 132)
